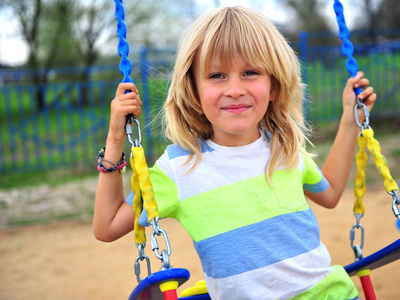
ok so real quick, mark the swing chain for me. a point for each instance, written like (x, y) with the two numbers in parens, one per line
(357, 248)
(365, 122)
(128, 128)
(141, 257)
(165, 254)
(396, 202)
(357, 252)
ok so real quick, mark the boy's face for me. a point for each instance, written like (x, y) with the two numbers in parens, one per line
(234, 99)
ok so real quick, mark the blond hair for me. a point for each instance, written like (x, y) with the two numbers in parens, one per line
(233, 32)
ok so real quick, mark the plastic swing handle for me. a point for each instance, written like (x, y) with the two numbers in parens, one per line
(125, 65)
(347, 47)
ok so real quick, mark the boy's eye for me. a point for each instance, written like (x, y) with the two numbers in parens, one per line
(251, 72)
(216, 76)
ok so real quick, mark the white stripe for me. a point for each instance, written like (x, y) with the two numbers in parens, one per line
(301, 165)
(213, 171)
(282, 280)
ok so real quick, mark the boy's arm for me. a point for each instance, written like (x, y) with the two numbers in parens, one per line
(113, 217)
(338, 164)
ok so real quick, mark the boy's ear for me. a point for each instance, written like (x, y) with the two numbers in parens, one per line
(274, 91)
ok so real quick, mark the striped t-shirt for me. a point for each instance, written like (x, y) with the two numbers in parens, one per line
(254, 241)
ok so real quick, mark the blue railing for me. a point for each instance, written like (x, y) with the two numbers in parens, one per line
(72, 125)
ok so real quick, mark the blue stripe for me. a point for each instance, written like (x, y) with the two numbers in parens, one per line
(129, 199)
(143, 220)
(318, 187)
(259, 245)
(175, 151)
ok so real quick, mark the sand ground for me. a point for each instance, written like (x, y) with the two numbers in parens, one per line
(65, 261)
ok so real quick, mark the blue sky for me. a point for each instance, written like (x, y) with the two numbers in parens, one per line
(13, 50)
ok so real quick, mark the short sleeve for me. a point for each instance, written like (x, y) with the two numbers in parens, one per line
(313, 179)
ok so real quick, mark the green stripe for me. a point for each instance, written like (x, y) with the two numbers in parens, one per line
(165, 193)
(336, 285)
(243, 203)
(312, 174)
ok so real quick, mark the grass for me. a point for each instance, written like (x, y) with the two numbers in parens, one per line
(64, 134)
(327, 78)
(52, 178)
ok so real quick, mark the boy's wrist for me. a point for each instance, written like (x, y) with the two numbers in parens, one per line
(115, 140)
(348, 120)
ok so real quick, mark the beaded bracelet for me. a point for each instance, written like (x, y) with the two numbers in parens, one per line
(121, 168)
(121, 165)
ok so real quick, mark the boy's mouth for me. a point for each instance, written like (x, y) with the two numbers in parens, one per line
(236, 108)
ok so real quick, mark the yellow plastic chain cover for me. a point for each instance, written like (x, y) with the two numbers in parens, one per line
(146, 188)
(366, 139)
(380, 161)
(359, 188)
(143, 192)
(137, 205)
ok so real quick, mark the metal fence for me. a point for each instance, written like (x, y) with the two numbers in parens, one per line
(70, 126)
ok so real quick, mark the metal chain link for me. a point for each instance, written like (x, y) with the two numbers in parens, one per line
(141, 257)
(357, 248)
(365, 122)
(165, 253)
(395, 203)
(128, 128)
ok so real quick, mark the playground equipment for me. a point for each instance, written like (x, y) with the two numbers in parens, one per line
(363, 265)
(164, 283)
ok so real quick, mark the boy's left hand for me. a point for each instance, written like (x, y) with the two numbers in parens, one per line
(367, 96)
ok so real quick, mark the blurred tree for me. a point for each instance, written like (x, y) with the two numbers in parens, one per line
(44, 26)
(367, 20)
(156, 24)
(388, 14)
(28, 17)
(72, 32)
(56, 45)
(90, 21)
(29, 14)
(378, 14)
(309, 14)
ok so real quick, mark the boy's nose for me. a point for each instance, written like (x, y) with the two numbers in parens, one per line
(235, 88)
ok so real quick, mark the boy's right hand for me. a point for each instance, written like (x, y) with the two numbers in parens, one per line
(123, 104)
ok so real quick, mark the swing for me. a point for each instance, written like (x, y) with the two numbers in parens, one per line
(164, 283)
(363, 265)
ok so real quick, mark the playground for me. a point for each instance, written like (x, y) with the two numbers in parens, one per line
(59, 258)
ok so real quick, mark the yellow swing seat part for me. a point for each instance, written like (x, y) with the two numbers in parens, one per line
(367, 140)
(143, 192)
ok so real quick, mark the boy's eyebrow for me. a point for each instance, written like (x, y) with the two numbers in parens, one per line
(211, 66)
(219, 65)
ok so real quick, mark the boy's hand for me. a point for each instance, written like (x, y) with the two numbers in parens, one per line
(367, 96)
(123, 105)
